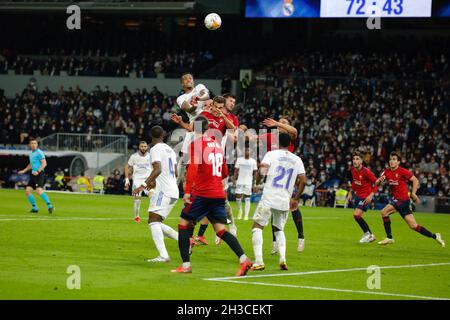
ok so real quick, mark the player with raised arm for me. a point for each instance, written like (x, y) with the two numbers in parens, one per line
(397, 179)
(37, 180)
(270, 141)
(192, 102)
(283, 169)
(204, 196)
(244, 174)
(163, 179)
(140, 166)
(362, 190)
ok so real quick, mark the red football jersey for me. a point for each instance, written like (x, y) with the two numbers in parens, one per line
(363, 182)
(233, 119)
(398, 181)
(207, 168)
(215, 122)
(272, 142)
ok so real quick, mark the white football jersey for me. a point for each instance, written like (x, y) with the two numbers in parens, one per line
(142, 166)
(246, 168)
(284, 167)
(166, 181)
(188, 96)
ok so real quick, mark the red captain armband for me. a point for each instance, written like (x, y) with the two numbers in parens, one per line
(190, 177)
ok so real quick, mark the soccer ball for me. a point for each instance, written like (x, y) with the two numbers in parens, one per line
(213, 21)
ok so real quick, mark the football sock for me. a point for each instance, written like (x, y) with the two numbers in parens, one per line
(137, 207)
(247, 207)
(274, 237)
(191, 232)
(425, 232)
(158, 238)
(231, 241)
(202, 229)
(362, 223)
(239, 205)
(46, 199)
(183, 242)
(257, 241)
(32, 201)
(387, 226)
(169, 232)
(298, 220)
(281, 240)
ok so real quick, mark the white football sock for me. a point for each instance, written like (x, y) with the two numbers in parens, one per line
(137, 207)
(158, 238)
(257, 241)
(281, 241)
(169, 232)
(242, 258)
(247, 207)
(239, 205)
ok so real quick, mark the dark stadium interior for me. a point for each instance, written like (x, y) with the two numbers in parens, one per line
(343, 87)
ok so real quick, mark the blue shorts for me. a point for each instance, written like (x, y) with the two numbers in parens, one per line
(358, 203)
(403, 207)
(212, 208)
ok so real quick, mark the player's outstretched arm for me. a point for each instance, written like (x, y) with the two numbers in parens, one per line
(380, 180)
(262, 172)
(27, 168)
(273, 123)
(415, 186)
(126, 172)
(179, 120)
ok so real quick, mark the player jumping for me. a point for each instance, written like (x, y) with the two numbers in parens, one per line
(140, 164)
(163, 179)
(204, 197)
(361, 194)
(37, 180)
(397, 179)
(283, 169)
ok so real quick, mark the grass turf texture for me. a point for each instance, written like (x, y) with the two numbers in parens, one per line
(97, 233)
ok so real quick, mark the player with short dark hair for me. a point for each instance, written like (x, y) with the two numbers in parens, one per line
(37, 165)
(204, 196)
(398, 178)
(361, 194)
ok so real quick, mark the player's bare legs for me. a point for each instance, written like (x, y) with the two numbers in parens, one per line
(230, 217)
(159, 230)
(411, 221)
(368, 236)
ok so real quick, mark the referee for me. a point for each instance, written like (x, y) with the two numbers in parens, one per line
(37, 165)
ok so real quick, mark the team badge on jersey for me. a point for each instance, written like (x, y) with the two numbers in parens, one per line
(288, 8)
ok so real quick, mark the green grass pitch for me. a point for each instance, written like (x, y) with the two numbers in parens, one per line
(97, 234)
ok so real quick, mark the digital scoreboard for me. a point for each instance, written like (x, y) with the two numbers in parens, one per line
(346, 8)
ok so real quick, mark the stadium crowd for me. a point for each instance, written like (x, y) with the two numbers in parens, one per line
(363, 106)
(97, 63)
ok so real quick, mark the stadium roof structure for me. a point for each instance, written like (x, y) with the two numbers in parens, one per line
(103, 6)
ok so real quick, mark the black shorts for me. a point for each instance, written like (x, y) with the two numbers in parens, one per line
(37, 181)
(213, 209)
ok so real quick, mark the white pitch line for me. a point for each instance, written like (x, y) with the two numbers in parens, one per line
(327, 271)
(335, 290)
(62, 219)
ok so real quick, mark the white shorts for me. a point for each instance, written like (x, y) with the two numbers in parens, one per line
(138, 182)
(263, 214)
(245, 189)
(161, 204)
(188, 138)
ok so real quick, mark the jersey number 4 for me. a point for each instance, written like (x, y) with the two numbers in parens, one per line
(216, 160)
